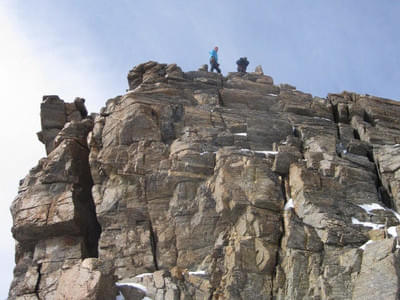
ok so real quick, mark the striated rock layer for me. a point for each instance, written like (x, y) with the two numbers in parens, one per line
(198, 186)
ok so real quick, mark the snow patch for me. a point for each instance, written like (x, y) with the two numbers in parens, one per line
(392, 231)
(272, 95)
(367, 224)
(262, 152)
(206, 152)
(375, 206)
(289, 204)
(134, 285)
(370, 207)
(143, 275)
(146, 298)
(241, 133)
(365, 245)
(267, 152)
(198, 273)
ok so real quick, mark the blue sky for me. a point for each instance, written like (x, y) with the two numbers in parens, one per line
(85, 48)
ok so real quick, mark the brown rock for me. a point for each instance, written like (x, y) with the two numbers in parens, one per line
(87, 281)
(266, 191)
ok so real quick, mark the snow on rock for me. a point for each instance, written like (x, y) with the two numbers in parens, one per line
(375, 206)
(367, 224)
(241, 133)
(365, 245)
(134, 285)
(143, 275)
(289, 204)
(120, 297)
(267, 152)
(370, 207)
(198, 273)
(392, 231)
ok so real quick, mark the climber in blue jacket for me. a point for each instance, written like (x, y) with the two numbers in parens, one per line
(214, 60)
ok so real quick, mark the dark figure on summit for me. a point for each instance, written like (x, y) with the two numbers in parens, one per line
(80, 106)
(242, 64)
(214, 60)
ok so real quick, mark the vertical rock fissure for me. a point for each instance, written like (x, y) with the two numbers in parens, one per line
(383, 194)
(221, 103)
(86, 210)
(220, 100)
(153, 244)
(153, 236)
(335, 112)
(39, 268)
(277, 258)
(283, 187)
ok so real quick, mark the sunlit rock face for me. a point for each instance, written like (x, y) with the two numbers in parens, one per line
(197, 186)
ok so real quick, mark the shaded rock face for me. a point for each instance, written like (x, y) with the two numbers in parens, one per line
(198, 186)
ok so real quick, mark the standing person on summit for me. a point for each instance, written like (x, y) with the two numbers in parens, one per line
(214, 60)
(242, 64)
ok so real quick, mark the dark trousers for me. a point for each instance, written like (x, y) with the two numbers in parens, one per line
(241, 68)
(214, 65)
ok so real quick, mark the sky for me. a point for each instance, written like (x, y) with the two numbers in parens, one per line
(79, 48)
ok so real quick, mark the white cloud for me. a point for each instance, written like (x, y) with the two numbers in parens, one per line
(19, 76)
(26, 75)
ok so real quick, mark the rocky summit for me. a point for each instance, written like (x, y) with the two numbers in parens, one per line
(197, 186)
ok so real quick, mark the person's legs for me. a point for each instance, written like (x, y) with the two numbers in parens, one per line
(212, 67)
(215, 66)
(212, 64)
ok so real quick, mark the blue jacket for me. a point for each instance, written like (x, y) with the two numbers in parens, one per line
(214, 54)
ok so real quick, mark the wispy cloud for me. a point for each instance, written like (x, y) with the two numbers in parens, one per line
(29, 69)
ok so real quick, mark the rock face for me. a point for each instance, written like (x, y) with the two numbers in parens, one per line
(198, 186)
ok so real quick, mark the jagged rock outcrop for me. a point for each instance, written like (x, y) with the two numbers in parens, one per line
(55, 114)
(198, 186)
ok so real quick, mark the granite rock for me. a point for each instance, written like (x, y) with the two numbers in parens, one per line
(193, 185)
